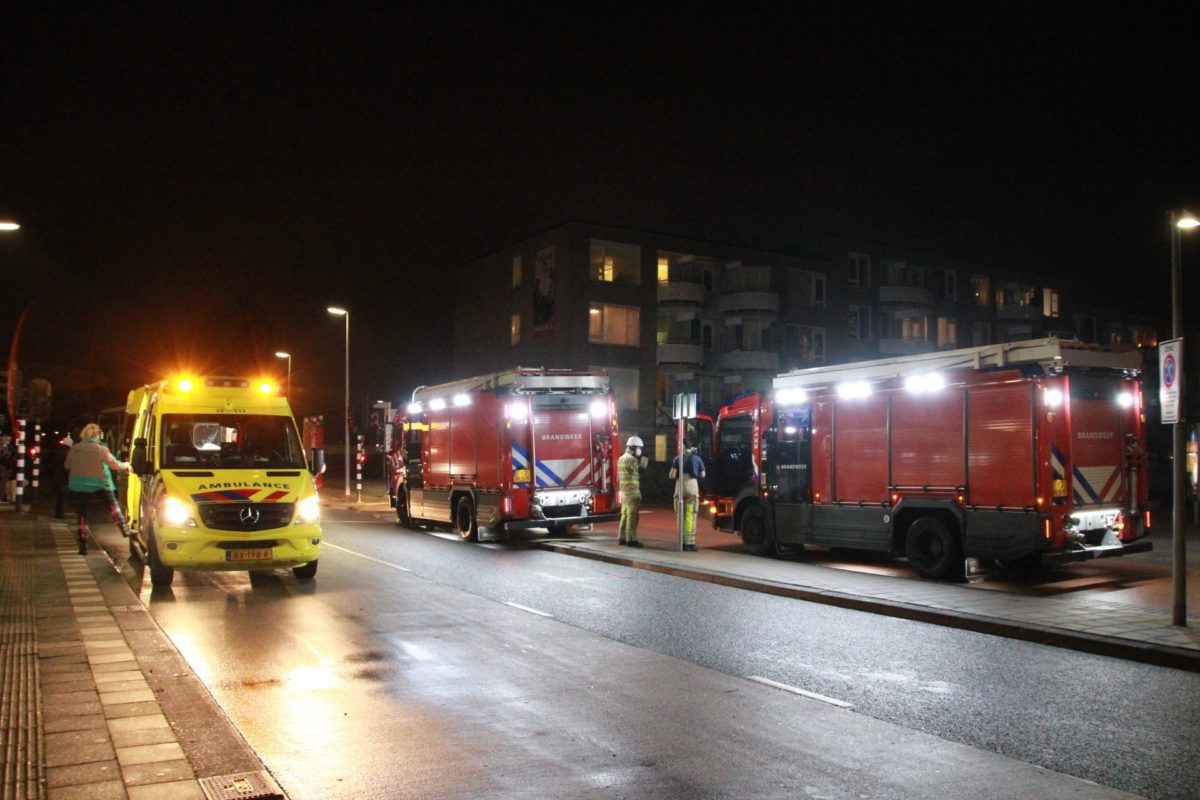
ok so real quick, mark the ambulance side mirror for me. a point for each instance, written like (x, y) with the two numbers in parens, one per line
(139, 462)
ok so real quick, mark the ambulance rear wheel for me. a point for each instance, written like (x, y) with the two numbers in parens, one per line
(757, 536)
(161, 576)
(932, 549)
(464, 519)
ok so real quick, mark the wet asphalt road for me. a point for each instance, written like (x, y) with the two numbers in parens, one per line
(381, 631)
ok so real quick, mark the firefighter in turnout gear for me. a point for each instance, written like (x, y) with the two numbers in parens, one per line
(693, 471)
(629, 478)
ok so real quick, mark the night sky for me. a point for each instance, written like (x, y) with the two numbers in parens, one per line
(195, 188)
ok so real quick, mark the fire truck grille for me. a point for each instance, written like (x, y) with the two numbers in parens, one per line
(245, 516)
(556, 512)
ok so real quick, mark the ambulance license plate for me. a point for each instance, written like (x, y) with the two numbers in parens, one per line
(261, 554)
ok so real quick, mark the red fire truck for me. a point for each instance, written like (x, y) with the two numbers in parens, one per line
(522, 448)
(1025, 452)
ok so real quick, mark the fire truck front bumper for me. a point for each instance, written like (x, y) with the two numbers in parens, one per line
(1107, 549)
(560, 522)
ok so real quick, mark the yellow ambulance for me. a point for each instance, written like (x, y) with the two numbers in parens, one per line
(220, 480)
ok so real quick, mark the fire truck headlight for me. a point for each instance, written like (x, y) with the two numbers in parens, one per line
(437, 404)
(177, 512)
(599, 409)
(790, 397)
(1054, 398)
(308, 510)
(1125, 399)
(461, 400)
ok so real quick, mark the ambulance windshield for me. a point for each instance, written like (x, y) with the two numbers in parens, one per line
(230, 441)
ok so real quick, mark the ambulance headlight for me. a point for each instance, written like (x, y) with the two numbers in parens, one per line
(177, 512)
(308, 510)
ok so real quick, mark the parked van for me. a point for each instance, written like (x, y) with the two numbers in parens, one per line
(221, 479)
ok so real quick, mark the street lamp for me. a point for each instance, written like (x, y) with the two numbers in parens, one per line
(1180, 221)
(341, 312)
(9, 225)
(288, 356)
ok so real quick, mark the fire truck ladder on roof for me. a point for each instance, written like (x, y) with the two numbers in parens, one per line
(1052, 355)
(521, 380)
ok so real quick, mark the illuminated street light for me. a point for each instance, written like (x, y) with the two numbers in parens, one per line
(337, 311)
(1180, 220)
(288, 356)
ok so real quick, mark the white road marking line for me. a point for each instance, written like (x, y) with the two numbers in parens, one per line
(801, 692)
(527, 608)
(367, 557)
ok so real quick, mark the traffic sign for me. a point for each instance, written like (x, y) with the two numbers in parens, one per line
(1170, 371)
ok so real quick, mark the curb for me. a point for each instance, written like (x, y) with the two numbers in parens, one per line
(1157, 655)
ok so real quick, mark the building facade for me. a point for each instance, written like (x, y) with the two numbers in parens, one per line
(666, 315)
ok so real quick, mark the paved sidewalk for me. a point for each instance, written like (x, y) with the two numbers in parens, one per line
(87, 709)
(1081, 623)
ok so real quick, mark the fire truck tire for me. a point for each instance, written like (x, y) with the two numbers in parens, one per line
(464, 519)
(161, 576)
(757, 536)
(402, 512)
(932, 550)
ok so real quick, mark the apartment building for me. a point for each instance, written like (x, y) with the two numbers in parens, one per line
(667, 315)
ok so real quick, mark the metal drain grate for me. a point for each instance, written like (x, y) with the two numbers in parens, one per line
(126, 608)
(241, 786)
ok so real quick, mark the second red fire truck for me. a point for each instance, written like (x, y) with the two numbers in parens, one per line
(521, 448)
(1024, 452)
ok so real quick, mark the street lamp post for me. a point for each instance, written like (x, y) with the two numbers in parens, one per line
(288, 356)
(341, 312)
(1180, 220)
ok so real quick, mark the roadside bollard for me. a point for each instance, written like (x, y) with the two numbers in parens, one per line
(19, 495)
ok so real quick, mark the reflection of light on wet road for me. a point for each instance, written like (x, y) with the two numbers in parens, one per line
(193, 652)
(310, 678)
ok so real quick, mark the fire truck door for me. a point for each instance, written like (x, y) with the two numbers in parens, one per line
(788, 462)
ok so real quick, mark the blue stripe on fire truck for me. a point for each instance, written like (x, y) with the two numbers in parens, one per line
(521, 460)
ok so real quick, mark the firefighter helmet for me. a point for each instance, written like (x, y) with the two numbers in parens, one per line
(634, 441)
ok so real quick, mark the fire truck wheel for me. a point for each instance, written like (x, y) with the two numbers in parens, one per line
(464, 519)
(402, 512)
(161, 576)
(757, 536)
(932, 550)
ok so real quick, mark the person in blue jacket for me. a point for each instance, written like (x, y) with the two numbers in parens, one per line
(90, 464)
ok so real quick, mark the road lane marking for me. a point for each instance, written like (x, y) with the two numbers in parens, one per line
(813, 695)
(527, 608)
(367, 557)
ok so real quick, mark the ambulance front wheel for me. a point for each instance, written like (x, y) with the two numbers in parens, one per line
(757, 536)
(305, 572)
(932, 550)
(464, 519)
(161, 576)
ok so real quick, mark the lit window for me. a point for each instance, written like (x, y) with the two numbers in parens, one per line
(614, 262)
(947, 332)
(1050, 302)
(516, 329)
(613, 324)
(980, 289)
(664, 270)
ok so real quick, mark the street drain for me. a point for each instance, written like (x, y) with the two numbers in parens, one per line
(126, 608)
(241, 786)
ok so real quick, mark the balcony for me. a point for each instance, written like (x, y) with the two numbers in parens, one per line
(744, 360)
(906, 295)
(677, 353)
(749, 303)
(1030, 312)
(681, 292)
(905, 347)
